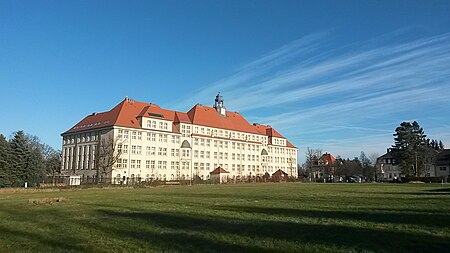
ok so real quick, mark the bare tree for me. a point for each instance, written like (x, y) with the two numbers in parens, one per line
(312, 155)
(373, 158)
(107, 153)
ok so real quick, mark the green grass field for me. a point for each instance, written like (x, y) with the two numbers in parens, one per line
(290, 217)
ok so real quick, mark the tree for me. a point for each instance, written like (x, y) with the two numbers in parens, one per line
(25, 160)
(435, 144)
(107, 154)
(409, 148)
(5, 169)
(312, 156)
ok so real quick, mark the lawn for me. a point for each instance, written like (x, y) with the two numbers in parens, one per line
(290, 217)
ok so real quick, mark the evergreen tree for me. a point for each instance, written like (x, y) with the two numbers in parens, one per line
(20, 156)
(5, 169)
(409, 148)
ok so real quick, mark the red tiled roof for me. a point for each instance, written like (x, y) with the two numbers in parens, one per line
(207, 116)
(267, 130)
(289, 144)
(128, 112)
(154, 111)
(218, 170)
(330, 159)
(182, 117)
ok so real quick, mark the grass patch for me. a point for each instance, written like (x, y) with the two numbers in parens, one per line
(290, 217)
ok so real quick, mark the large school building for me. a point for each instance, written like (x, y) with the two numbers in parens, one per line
(155, 143)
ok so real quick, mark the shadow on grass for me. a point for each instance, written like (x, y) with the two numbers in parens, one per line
(194, 234)
(440, 190)
(441, 220)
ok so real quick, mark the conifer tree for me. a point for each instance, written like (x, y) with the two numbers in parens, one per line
(5, 169)
(20, 158)
(409, 148)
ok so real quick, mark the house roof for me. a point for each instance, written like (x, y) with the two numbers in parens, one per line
(443, 158)
(218, 170)
(128, 113)
(328, 158)
(279, 173)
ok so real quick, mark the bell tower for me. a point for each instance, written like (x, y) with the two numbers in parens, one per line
(218, 105)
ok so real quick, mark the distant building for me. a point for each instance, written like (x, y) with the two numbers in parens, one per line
(442, 163)
(436, 163)
(156, 143)
(323, 166)
(387, 167)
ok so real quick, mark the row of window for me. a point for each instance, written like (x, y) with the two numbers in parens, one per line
(228, 134)
(152, 151)
(85, 137)
(161, 125)
(280, 142)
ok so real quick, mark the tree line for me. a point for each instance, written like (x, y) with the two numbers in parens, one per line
(411, 151)
(24, 158)
(363, 166)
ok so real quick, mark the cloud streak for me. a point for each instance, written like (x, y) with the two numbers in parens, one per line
(342, 98)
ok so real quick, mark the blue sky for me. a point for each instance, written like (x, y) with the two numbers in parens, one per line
(334, 75)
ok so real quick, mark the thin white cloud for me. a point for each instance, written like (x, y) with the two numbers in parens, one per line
(341, 91)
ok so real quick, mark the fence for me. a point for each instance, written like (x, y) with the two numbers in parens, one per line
(61, 181)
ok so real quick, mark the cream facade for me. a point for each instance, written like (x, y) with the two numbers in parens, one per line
(172, 150)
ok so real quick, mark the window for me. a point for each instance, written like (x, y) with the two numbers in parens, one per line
(138, 150)
(133, 135)
(442, 168)
(139, 135)
(133, 149)
(125, 149)
(147, 151)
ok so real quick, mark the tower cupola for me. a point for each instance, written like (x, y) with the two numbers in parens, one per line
(218, 105)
